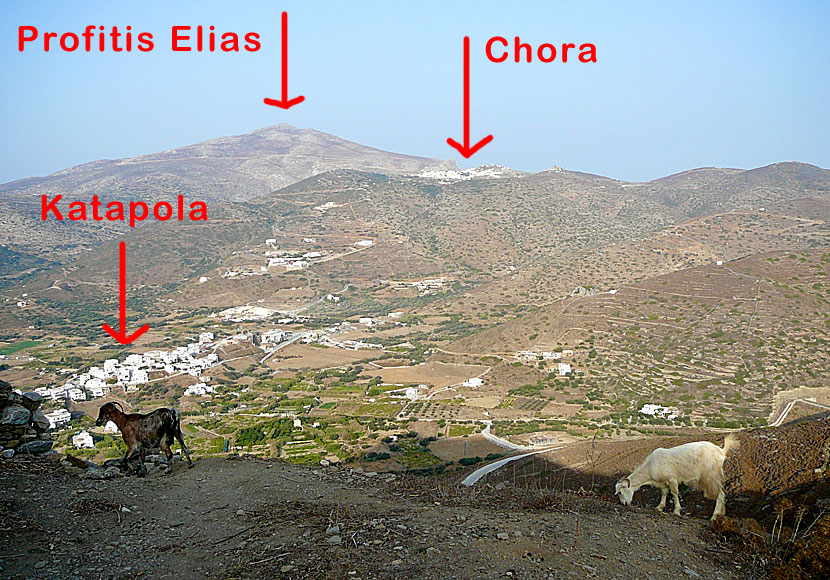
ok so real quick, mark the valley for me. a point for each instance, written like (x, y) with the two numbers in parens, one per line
(353, 305)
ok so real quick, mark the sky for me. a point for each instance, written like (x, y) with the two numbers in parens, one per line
(728, 84)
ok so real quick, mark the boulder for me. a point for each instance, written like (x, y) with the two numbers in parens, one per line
(113, 472)
(39, 421)
(32, 401)
(80, 463)
(15, 415)
(10, 443)
(7, 453)
(95, 473)
(35, 446)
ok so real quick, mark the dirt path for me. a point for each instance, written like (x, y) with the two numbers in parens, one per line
(248, 518)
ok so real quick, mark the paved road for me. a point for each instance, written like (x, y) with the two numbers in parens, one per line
(482, 471)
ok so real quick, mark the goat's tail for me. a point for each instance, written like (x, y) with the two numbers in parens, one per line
(730, 442)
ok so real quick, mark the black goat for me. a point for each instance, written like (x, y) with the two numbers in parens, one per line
(145, 431)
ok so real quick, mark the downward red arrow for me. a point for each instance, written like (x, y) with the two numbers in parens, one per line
(465, 149)
(285, 102)
(122, 287)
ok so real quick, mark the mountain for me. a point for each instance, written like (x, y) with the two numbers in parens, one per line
(236, 168)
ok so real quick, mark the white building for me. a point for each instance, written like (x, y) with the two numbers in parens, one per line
(274, 336)
(205, 337)
(411, 393)
(83, 440)
(364, 243)
(134, 360)
(550, 355)
(564, 369)
(473, 383)
(659, 411)
(76, 394)
(110, 427)
(111, 366)
(58, 418)
(99, 373)
(96, 388)
(366, 321)
(198, 390)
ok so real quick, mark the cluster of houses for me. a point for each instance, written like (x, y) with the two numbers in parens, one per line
(545, 355)
(134, 371)
(430, 285)
(348, 344)
(532, 355)
(660, 411)
(199, 390)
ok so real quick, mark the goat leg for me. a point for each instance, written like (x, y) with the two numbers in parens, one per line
(184, 447)
(676, 496)
(142, 468)
(662, 504)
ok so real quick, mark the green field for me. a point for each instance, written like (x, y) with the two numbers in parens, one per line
(18, 346)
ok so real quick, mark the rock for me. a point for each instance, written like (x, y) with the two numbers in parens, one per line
(397, 562)
(41, 564)
(15, 415)
(286, 568)
(95, 473)
(335, 540)
(370, 474)
(691, 573)
(112, 472)
(7, 453)
(39, 421)
(53, 456)
(503, 536)
(335, 529)
(36, 446)
(32, 401)
(79, 463)
(240, 512)
(325, 462)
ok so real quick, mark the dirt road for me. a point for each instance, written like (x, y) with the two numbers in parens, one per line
(246, 518)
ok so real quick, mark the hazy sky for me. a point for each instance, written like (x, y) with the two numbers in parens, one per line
(738, 84)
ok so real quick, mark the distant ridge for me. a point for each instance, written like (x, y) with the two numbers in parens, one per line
(232, 168)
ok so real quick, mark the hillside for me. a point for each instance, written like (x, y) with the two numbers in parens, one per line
(235, 168)
(710, 340)
(552, 515)
(260, 519)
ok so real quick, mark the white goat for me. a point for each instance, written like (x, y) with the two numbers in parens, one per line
(698, 464)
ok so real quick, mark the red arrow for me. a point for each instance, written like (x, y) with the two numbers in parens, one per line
(465, 149)
(122, 281)
(285, 102)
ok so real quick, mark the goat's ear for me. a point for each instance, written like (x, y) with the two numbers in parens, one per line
(627, 482)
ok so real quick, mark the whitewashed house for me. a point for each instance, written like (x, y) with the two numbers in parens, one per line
(83, 440)
(58, 418)
(564, 369)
